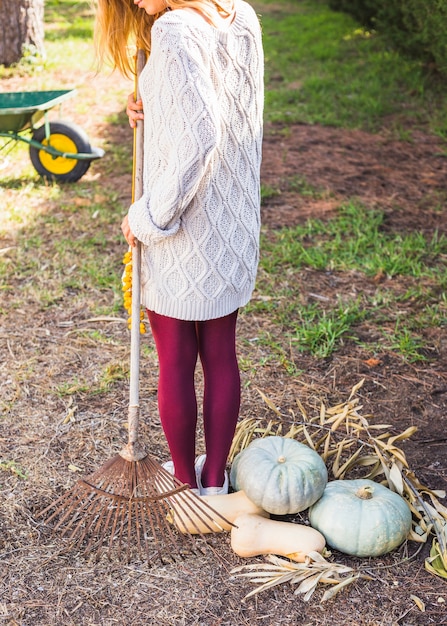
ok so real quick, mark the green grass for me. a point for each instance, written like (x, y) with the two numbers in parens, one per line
(355, 241)
(302, 186)
(320, 332)
(267, 192)
(12, 468)
(322, 69)
(68, 20)
(73, 251)
(112, 373)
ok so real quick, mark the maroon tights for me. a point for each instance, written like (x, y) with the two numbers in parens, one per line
(178, 344)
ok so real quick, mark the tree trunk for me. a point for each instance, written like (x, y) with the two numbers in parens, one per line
(21, 31)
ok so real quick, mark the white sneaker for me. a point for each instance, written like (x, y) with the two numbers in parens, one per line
(169, 467)
(198, 466)
(216, 491)
(208, 491)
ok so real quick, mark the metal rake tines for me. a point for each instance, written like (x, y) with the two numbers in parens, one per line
(133, 506)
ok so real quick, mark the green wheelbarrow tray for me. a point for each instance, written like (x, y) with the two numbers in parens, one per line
(53, 144)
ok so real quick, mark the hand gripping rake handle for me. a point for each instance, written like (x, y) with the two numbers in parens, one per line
(134, 451)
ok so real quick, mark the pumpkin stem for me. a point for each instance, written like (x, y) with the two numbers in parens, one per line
(281, 459)
(365, 492)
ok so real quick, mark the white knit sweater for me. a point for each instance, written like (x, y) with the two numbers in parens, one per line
(198, 218)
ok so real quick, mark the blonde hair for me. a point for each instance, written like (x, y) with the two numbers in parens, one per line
(121, 28)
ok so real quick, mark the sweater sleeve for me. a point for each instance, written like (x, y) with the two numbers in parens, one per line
(181, 90)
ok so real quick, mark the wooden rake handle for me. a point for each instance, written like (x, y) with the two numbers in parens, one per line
(133, 451)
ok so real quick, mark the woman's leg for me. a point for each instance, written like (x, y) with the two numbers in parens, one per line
(176, 343)
(221, 402)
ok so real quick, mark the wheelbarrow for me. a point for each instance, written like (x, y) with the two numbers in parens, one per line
(58, 150)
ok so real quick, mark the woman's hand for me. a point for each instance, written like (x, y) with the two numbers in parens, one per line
(134, 110)
(128, 234)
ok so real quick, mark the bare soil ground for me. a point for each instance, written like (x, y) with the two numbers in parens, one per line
(45, 433)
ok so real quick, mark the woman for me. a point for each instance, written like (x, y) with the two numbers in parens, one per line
(199, 216)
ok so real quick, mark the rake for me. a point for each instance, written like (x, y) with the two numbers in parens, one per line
(129, 503)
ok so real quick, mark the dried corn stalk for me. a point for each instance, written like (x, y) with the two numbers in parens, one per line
(354, 447)
(308, 575)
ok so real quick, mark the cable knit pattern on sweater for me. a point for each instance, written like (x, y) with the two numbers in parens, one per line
(199, 216)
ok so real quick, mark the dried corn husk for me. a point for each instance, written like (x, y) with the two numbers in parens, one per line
(353, 446)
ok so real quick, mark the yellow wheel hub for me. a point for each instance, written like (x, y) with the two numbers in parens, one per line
(58, 165)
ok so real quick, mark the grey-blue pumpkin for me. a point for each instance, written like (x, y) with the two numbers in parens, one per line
(361, 517)
(279, 474)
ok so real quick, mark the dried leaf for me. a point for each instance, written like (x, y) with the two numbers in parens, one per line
(382, 436)
(302, 409)
(415, 536)
(74, 468)
(436, 563)
(376, 471)
(315, 556)
(409, 432)
(431, 509)
(417, 511)
(272, 583)
(366, 460)
(399, 455)
(339, 419)
(322, 414)
(435, 568)
(383, 462)
(295, 430)
(348, 464)
(309, 585)
(70, 417)
(395, 479)
(334, 410)
(247, 569)
(336, 463)
(439, 493)
(326, 447)
(372, 362)
(315, 570)
(308, 438)
(269, 403)
(356, 388)
(330, 593)
(418, 602)
(440, 508)
(247, 436)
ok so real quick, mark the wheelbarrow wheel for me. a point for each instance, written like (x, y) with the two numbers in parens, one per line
(65, 137)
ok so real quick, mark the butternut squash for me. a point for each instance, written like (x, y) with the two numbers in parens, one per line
(253, 535)
(190, 517)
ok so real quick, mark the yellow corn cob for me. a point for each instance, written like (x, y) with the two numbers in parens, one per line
(127, 291)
